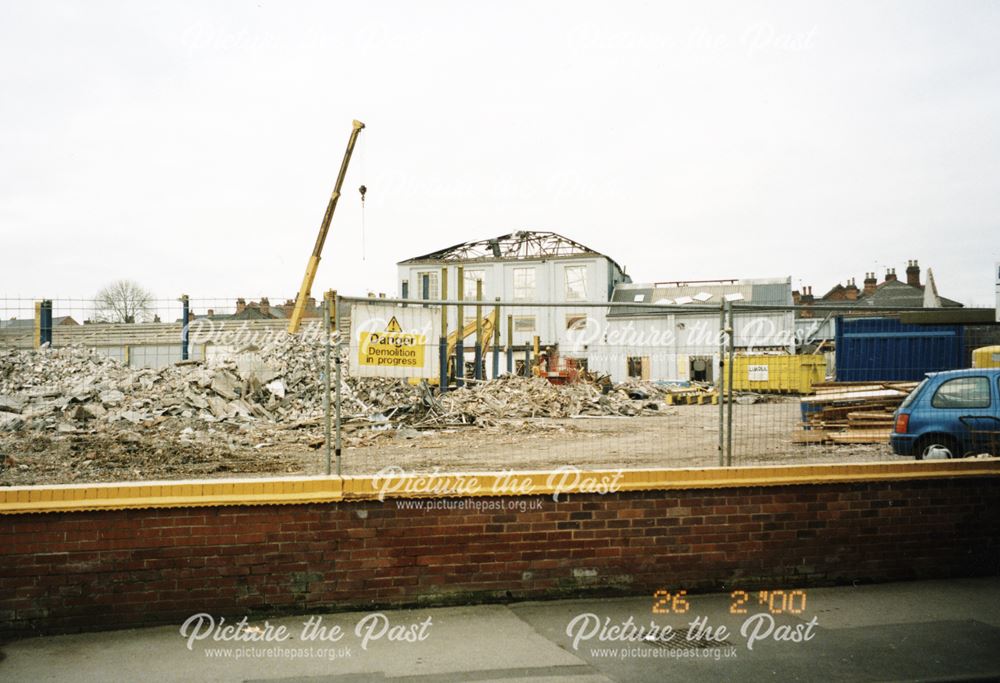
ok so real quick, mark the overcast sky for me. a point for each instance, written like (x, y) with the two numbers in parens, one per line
(193, 146)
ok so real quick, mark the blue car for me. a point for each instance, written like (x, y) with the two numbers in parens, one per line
(950, 415)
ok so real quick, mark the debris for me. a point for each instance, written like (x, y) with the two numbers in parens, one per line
(74, 400)
(277, 387)
(9, 404)
(10, 422)
(111, 397)
(224, 385)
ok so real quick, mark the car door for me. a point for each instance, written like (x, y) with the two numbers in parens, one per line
(965, 406)
(986, 434)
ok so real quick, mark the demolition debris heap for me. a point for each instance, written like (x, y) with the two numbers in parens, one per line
(73, 389)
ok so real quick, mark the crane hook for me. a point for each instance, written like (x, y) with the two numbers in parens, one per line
(362, 190)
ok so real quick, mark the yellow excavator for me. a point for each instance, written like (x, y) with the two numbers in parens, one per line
(324, 228)
(488, 323)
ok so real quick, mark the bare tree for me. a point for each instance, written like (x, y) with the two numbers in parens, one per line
(123, 301)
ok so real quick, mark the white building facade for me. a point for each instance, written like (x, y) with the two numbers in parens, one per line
(675, 345)
(526, 267)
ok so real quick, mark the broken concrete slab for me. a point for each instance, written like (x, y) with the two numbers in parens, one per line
(11, 404)
(111, 397)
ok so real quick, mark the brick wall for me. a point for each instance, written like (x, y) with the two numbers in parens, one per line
(70, 571)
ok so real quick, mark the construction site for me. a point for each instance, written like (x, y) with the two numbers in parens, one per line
(249, 398)
(619, 342)
(525, 351)
(540, 353)
(70, 415)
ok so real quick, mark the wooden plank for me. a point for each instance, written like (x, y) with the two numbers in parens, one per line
(809, 436)
(853, 396)
(862, 436)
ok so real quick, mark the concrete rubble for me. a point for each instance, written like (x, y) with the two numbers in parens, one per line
(206, 412)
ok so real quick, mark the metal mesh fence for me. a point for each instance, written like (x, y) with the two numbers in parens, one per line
(151, 334)
(675, 386)
(526, 385)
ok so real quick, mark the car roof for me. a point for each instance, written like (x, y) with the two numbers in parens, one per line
(964, 371)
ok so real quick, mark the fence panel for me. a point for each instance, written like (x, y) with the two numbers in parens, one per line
(527, 385)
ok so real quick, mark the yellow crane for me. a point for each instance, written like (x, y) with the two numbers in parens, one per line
(324, 228)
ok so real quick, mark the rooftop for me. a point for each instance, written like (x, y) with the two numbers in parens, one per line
(765, 291)
(25, 323)
(891, 293)
(516, 246)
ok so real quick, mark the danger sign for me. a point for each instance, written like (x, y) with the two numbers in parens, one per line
(393, 348)
(390, 341)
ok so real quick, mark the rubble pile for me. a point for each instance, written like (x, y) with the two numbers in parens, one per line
(518, 397)
(66, 390)
(72, 414)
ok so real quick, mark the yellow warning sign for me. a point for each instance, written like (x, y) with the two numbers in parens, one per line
(392, 348)
(392, 341)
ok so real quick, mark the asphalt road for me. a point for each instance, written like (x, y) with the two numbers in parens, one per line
(927, 631)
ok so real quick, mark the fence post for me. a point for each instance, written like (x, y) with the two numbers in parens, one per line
(443, 343)
(720, 385)
(460, 342)
(45, 323)
(326, 379)
(337, 363)
(729, 387)
(478, 373)
(510, 345)
(496, 338)
(185, 321)
(36, 337)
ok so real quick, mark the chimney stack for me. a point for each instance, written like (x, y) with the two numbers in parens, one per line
(851, 290)
(912, 273)
(807, 295)
(241, 305)
(265, 306)
(871, 284)
(890, 274)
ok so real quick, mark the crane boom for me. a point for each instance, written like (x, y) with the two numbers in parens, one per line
(324, 228)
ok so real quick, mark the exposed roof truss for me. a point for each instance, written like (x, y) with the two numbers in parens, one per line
(523, 244)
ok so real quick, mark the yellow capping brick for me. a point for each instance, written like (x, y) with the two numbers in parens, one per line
(302, 490)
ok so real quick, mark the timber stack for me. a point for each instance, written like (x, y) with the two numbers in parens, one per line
(851, 412)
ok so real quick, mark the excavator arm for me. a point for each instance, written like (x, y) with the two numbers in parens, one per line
(470, 329)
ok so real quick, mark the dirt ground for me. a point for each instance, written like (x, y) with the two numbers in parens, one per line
(681, 436)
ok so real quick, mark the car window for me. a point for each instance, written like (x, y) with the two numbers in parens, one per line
(913, 394)
(963, 392)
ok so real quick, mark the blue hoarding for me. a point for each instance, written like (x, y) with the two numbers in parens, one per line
(871, 349)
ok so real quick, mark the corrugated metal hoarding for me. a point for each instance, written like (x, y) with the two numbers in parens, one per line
(870, 349)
